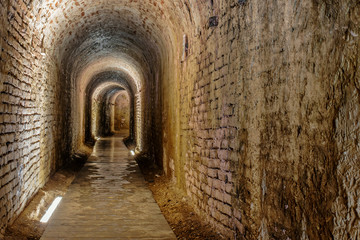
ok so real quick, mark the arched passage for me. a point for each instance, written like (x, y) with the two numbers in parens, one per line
(108, 79)
(249, 106)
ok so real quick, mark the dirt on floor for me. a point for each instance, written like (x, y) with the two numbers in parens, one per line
(174, 204)
(28, 226)
(182, 218)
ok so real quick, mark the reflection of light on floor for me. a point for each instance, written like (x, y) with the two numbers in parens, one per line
(132, 152)
(51, 209)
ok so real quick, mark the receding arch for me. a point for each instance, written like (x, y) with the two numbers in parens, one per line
(95, 90)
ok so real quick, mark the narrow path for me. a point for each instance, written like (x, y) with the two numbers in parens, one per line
(108, 200)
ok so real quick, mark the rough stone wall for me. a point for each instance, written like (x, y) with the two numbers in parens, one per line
(346, 207)
(122, 112)
(269, 110)
(33, 112)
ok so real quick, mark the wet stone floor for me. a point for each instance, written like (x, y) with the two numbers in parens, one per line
(108, 199)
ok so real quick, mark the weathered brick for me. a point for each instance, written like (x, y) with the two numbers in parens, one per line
(264, 100)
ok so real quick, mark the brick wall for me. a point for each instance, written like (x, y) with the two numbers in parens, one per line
(251, 106)
(267, 90)
(33, 113)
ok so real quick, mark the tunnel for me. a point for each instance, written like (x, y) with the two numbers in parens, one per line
(249, 107)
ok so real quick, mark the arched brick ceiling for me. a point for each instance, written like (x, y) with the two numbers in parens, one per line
(109, 77)
(106, 91)
(142, 39)
(103, 89)
(122, 64)
(115, 96)
(77, 32)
